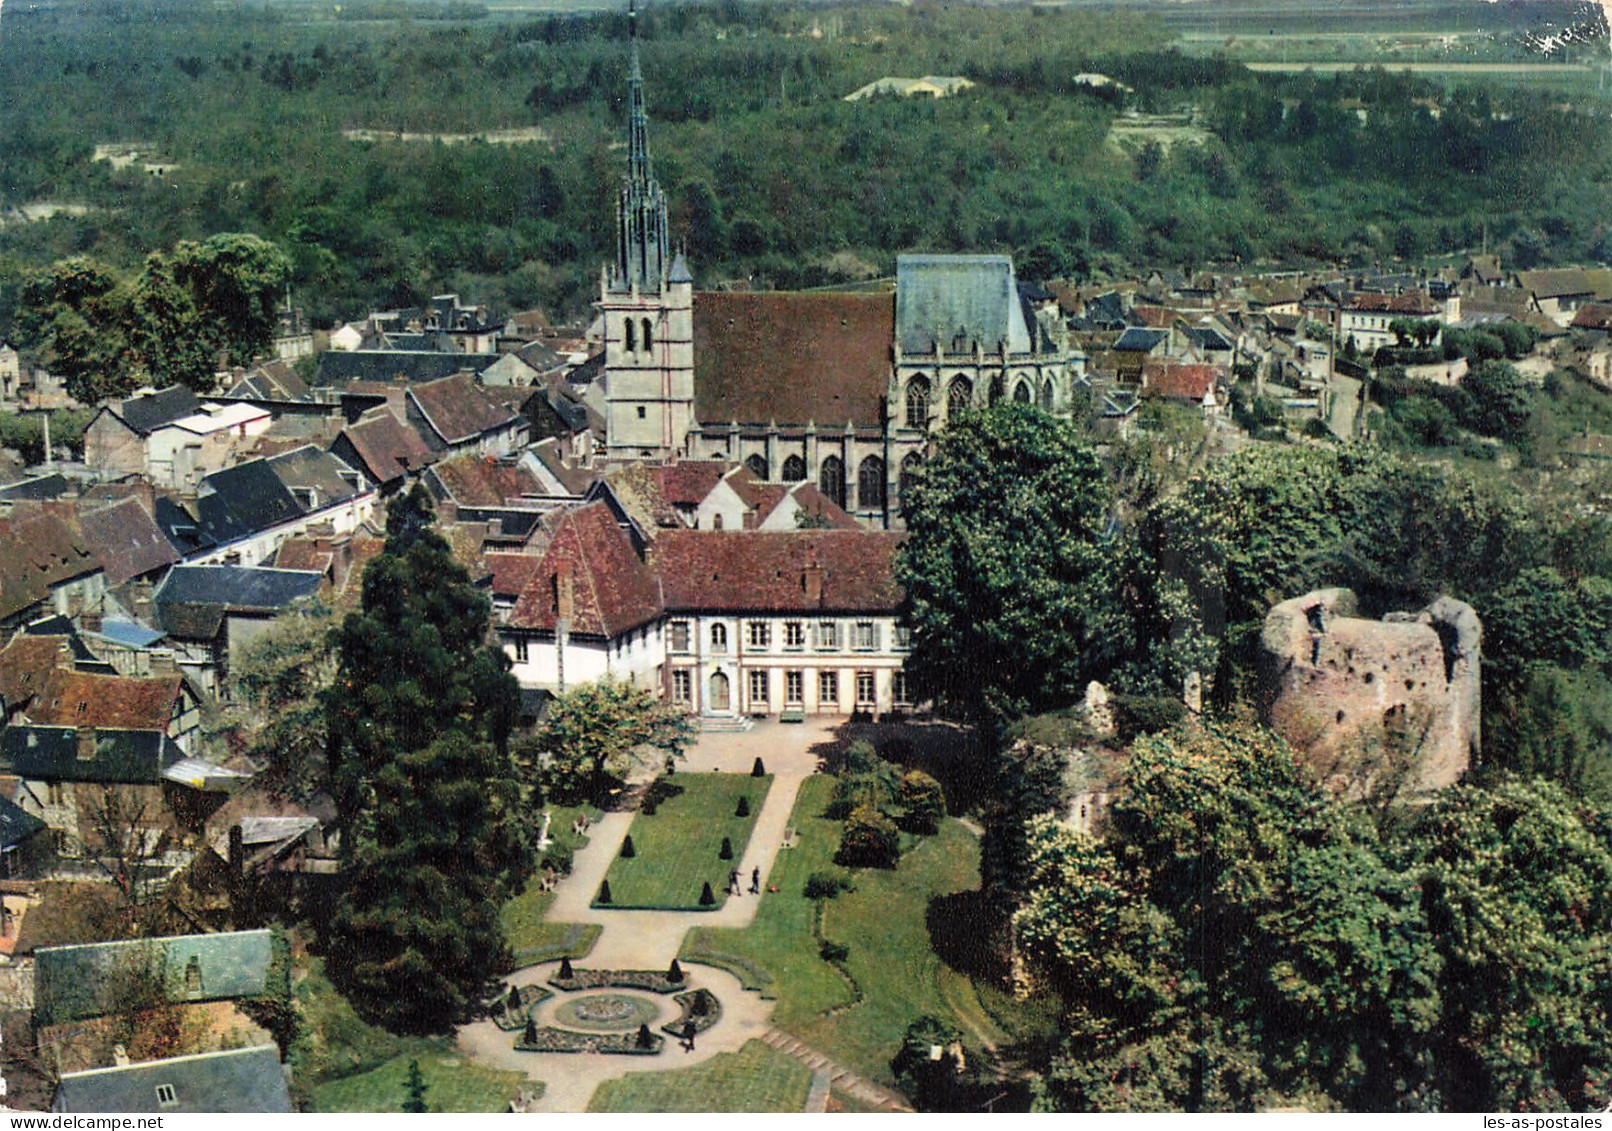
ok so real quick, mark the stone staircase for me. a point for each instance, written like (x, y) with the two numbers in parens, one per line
(829, 1075)
(725, 724)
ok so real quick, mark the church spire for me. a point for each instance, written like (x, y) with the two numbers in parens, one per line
(641, 236)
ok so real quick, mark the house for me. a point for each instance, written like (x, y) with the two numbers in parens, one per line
(163, 705)
(473, 488)
(23, 852)
(269, 382)
(232, 1080)
(212, 612)
(739, 501)
(1365, 317)
(169, 438)
(1135, 348)
(125, 538)
(26, 664)
(72, 983)
(384, 448)
(1195, 385)
(455, 415)
(1558, 293)
(45, 564)
(509, 369)
(1594, 316)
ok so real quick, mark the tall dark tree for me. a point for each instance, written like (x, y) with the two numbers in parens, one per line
(76, 315)
(420, 715)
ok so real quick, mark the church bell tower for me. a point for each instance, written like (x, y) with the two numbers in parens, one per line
(646, 299)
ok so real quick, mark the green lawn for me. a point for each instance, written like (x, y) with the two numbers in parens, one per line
(756, 1078)
(677, 847)
(529, 937)
(777, 953)
(451, 1085)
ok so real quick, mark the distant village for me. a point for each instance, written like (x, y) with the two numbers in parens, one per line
(699, 492)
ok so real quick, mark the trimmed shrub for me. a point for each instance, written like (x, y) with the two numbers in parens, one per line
(645, 1040)
(627, 849)
(825, 885)
(706, 898)
(726, 852)
(870, 840)
(674, 972)
(565, 969)
(744, 807)
(833, 951)
(558, 857)
(758, 770)
(514, 997)
(701, 1005)
(604, 892)
(530, 1035)
(923, 801)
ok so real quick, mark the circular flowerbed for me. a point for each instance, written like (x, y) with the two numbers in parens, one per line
(606, 1012)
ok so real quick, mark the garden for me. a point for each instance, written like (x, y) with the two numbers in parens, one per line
(686, 840)
(530, 939)
(755, 1078)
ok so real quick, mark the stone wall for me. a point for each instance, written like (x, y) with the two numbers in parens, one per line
(1389, 707)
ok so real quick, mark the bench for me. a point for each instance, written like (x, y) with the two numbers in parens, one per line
(792, 715)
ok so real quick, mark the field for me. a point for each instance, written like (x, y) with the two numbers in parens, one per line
(756, 1078)
(676, 847)
(451, 1085)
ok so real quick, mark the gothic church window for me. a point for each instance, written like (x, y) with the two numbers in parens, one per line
(918, 403)
(649, 335)
(631, 336)
(998, 390)
(909, 464)
(758, 466)
(870, 484)
(794, 469)
(959, 397)
(1021, 392)
(1046, 395)
(831, 480)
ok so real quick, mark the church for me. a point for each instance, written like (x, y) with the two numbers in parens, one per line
(843, 389)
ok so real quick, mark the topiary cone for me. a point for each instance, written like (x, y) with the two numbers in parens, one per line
(644, 1039)
(514, 997)
(604, 892)
(530, 1035)
(758, 770)
(627, 849)
(674, 972)
(726, 852)
(744, 808)
(565, 969)
(706, 898)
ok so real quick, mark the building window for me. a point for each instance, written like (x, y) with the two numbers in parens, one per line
(649, 336)
(828, 636)
(828, 689)
(521, 652)
(794, 635)
(632, 336)
(794, 688)
(55, 794)
(166, 1097)
(898, 688)
(959, 397)
(641, 412)
(865, 694)
(903, 638)
(867, 636)
(758, 466)
(719, 638)
(681, 685)
(794, 469)
(758, 690)
(918, 403)
(679, 641)
(831, 480)
(760, 634)
(870, 484)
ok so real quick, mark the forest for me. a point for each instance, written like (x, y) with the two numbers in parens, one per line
(248, 120)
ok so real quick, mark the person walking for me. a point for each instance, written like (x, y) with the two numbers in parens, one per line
(733, 883)
(755, 881)
(688, 1036)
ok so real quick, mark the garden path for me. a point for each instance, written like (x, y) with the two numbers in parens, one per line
(649, 940)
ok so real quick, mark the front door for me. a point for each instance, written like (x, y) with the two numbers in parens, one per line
(719, 692)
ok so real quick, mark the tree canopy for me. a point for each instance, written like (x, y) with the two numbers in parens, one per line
(592, 733)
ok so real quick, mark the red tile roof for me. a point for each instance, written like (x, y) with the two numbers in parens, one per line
(512, 573)
(1154, 317)
(1593, 316)
(792, 358)
(481, 481)
(613, 591)
(460, 410)
(1411, 302)
(723, 571)
(26, 664)
(814, 502)
(386, 446)
(126, 540)
(109, 702)
(687, 482)
(35, 554)
(306, 554)
(1184, 382)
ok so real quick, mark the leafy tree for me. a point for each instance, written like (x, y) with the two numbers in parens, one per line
(1007, 567)
(420, 711)
(870, 840)
(75, 314)
(593, 733)
(1500, 398)
(236, 280)
(166, 335)
(922, 801)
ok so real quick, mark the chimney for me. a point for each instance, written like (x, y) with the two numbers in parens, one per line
(564, 592)
(812, 582)
(86, 743)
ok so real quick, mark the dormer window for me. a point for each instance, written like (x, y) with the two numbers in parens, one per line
(166, 1096)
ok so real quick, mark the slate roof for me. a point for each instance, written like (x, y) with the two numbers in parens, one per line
(57, 625)
(150, 411)
(941, 298)
(749, 571)
(192, 599)
(1208, 338)
(123, 757)
(338, 367)
(1558, 282)
(36, 489)
(26, 664)
(237, 1080)
(72, 982)
(126, 540)
(792, 358)
(540, 356)
(614, 591)
(270, 380)
(459, 410)
(243, 500)
(386, 446)
(317, 472)
(16, 823)
(179, 526)
(73, 698)
(1137, 339)
(128, 633)
(476, 481)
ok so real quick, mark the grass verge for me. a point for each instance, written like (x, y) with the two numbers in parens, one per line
(451, 1085)
(531, 939)
(677, 848)
(755, 1078)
